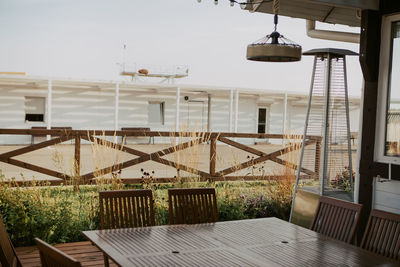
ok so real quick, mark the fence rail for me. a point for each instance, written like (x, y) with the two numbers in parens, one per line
(61, 135)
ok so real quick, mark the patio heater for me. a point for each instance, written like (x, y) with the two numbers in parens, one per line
(327, 119)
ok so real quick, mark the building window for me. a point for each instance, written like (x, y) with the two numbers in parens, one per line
(387, 144)
(262, 120)
(34, 109)
(156, 113)
(392, 137)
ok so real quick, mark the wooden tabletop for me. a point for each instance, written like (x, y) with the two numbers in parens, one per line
(256, 242)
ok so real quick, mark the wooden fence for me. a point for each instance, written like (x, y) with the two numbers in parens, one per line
(61, 135)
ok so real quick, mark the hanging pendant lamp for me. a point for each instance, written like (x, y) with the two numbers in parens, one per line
(274, 47)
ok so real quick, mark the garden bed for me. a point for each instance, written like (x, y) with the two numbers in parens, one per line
(60, 214)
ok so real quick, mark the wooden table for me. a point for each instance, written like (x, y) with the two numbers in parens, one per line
(257, 242)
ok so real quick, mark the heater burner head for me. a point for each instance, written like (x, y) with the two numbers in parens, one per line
(274, 48)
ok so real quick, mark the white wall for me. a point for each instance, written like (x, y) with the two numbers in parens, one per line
(91, 108)
(387, 196)
(94, 109)
(12, 112)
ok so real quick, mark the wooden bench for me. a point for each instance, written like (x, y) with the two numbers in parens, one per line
(44, 128)
(139, 129)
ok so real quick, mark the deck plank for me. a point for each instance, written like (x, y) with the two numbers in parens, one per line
(85, 252)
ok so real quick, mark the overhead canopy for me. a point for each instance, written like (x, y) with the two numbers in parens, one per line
(346, 12)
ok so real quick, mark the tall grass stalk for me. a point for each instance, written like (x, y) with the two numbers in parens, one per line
(190, 156)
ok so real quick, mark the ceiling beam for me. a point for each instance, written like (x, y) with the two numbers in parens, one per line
(361, 4)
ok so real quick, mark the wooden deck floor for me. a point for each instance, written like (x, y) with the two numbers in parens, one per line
(85, 252)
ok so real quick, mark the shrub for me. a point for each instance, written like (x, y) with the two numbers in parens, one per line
(60, 214)
(342, 180)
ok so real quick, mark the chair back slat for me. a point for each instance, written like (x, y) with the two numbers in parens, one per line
(8, 257)
(52, 257)
(336, 219)
(382, 234)
(192, 205)
(126, 209)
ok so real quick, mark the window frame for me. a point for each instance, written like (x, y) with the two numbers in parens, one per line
(266, 118)
(162, 104)
(44, 110)
(383, 88)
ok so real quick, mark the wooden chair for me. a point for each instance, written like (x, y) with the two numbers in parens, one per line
(8, 257)
(336, 219)
(52, 257)
(125, 209)
(193, 205)
(382, 235)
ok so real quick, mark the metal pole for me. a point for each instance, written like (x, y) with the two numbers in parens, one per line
(178, 96)
(346, 97)
(359, 139)
(230, 110)
(49, 108)
(177, 119)
(303, 142)
(325, 135)
(208, 113)
(236, 110)
(284, 116)
(116, 107)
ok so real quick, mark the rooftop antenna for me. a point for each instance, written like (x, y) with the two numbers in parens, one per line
(123, 57)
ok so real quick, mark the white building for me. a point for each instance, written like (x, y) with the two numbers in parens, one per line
(27, 102)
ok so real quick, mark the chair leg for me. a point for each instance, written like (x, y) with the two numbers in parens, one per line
(106, 261)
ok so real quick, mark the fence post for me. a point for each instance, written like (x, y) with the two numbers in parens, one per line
(317, 156)
(77, 165)
(213, 155)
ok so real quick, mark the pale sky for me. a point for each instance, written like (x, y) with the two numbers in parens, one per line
(84, 39)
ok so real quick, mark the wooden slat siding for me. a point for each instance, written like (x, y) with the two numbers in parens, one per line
(85, 252)
(53, 257)
(336, 219)
(382, 234)
(121, 214)
(192, 205)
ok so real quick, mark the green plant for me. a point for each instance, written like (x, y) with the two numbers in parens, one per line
(59, 214)
(342, 180)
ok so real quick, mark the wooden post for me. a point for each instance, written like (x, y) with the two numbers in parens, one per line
(317, 156)
(369, 59)
(213, 155)
(77, 165)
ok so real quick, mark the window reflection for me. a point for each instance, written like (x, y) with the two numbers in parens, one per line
(393, 107)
